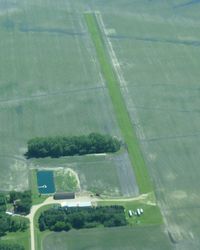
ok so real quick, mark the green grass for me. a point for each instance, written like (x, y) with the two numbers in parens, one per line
(36, 197)
(151, 215)
(22, 238)
(39, 236)
(65, 180)
(121, 112)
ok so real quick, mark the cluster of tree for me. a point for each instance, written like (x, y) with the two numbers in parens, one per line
(72, 145)
(62, 219)
(12, 224)
(22, 201)
(8, 246)
(2, 203)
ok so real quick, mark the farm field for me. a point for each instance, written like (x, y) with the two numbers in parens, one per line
(41, 92)
(126, 238)
(51, 84)
(157, 47)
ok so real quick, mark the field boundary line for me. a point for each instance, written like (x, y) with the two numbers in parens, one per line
(121, 112)
(50, 94)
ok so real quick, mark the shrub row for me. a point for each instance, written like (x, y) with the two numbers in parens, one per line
(7, 246)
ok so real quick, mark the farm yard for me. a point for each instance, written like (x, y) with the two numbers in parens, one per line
(51, 83)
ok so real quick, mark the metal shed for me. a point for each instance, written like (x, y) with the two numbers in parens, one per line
(63, 196)
(76, 204)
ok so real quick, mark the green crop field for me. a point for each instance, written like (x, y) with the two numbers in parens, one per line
(126, 238)
(49, 83)
(157, 45)
(53, 82)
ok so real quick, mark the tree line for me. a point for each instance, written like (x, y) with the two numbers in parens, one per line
(10, 246)
(61, 219)
(3, 202)
(12, 224)
(72, 145)
(22, 201)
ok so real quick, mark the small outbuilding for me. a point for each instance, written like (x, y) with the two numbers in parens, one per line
(64, 196)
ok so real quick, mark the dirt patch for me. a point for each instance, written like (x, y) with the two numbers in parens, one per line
(66, 179)
(179, 194)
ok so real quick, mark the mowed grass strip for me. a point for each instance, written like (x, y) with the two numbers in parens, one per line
(121, 112)
(21, 238)
(151, 215)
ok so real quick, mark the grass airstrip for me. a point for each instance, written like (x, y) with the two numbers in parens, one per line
(121, 112)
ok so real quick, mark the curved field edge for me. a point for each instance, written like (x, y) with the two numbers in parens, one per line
(124, 121)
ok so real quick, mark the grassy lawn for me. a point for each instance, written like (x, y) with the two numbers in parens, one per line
(22, 238)
(66, 180)
(36, 197)
(39, 236)
(151, 215)
(121, 112)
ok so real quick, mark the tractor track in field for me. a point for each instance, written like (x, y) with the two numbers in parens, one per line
(7, 156)
(173, 137)
(167, 109)
(145, 198)
(46, 95)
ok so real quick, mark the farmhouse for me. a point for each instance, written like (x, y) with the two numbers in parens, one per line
(63, 196)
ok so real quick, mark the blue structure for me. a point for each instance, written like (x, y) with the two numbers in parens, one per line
(45, 181)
